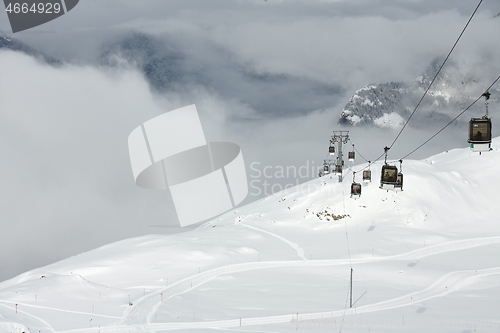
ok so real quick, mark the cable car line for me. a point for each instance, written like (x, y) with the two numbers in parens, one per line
(391, 177)
(353, 147)
(461, 113)
(370, 163)
(394, 179)
(437, 73)
(399, 175)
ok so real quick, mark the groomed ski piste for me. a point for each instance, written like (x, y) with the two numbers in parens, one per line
(424, 260)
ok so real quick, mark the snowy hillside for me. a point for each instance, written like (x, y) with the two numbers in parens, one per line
(388, 105)
(423, 260)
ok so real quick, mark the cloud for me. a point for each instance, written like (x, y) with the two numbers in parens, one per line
(352, 43)
(65, 171)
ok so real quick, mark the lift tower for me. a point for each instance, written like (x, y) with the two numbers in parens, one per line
(339, 137)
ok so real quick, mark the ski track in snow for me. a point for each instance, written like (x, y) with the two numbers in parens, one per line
(30, 315)
(61, 310)
(153, 301)
(297, 248)
(138, 317)
(448, 283)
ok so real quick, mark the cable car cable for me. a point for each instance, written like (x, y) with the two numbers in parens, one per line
(461, 113)
(370, 163)
(435, 76)
(357, 151)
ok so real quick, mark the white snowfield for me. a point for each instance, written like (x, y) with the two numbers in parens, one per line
(424, 260)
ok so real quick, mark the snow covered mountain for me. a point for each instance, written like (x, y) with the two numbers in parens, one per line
(425, 259)
(388, 105)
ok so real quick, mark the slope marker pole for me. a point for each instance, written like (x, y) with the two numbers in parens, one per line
(351, 289)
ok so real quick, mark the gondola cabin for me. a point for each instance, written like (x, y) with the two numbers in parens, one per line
(326, 169)
(390, 178)
(480, 134)
(399, 181)
(355, 189)
(338, 169)
(351, 156)
(367, 175)
(331, 150)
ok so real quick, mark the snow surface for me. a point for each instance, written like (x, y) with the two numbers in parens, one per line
(389, 120)
(424, 260)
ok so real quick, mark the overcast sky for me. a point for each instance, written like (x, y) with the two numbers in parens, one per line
(271, 76)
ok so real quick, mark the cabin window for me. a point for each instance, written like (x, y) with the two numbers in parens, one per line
(389, 175)
(480, 131)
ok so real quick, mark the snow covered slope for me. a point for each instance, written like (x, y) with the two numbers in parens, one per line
(426, 259)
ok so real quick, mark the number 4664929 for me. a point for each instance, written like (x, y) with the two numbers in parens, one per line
(47, 8)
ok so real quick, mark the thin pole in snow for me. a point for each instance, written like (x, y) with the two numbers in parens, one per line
(351, 289)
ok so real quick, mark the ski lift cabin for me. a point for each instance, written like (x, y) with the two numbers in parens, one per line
(391, 179)
(367, 174)
(355, 189)
(399, 181)
(480, 134)
(480, 130)
(331, 150)
(338, 169)
(326, 169)
(351, 156)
